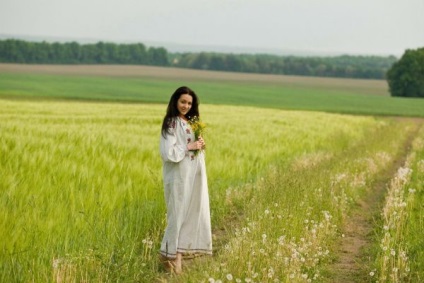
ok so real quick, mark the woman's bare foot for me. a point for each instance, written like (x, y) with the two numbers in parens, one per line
(172, 265)
(178, 264)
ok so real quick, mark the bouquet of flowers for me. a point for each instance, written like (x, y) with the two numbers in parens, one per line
(198, 128)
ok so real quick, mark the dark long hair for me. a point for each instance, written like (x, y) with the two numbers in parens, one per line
(172, 110)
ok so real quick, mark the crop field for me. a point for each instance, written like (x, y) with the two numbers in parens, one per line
(81, 185)
(154, 85)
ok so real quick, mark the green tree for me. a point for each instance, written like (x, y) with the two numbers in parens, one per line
(12, 51)
(138, 53)
(158, 56)
(406, 76)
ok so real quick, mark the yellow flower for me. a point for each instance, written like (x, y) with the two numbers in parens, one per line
(198, 128)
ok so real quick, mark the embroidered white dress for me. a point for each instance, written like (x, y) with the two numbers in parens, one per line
(188, 228)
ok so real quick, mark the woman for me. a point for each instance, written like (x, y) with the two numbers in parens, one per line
(188, 228)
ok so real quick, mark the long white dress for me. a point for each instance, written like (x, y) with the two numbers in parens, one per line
(188, 228)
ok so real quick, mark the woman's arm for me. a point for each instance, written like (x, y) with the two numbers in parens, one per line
(169, 148)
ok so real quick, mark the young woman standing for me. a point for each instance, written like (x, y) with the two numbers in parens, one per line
(188, 228)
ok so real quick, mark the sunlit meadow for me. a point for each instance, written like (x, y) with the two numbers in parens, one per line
(295, 212)
(400, 252)
(82, 199)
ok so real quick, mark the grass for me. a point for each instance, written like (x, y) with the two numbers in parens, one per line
(295, 214)
(329, 97)
(82, 195)
(400, 255)
(81, 189)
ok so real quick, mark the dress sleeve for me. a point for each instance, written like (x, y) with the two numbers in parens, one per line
(170, 150)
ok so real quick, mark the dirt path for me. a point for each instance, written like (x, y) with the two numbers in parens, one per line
(353, 256)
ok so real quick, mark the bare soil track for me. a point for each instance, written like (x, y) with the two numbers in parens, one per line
(353, 255)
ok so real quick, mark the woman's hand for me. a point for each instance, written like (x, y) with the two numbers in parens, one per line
(197, 145)
(203, 142)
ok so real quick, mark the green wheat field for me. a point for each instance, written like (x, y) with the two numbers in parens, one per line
(288, 159)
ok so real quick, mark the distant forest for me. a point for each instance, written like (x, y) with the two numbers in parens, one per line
(345, 66)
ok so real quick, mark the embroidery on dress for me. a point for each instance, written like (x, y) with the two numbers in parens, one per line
(172, 124)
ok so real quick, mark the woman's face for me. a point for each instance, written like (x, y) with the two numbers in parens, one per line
(184, 104)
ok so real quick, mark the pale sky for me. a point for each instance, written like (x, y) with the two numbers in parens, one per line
(357, 27)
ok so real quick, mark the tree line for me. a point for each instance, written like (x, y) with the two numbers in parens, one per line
(345, 66)
(19, 51)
